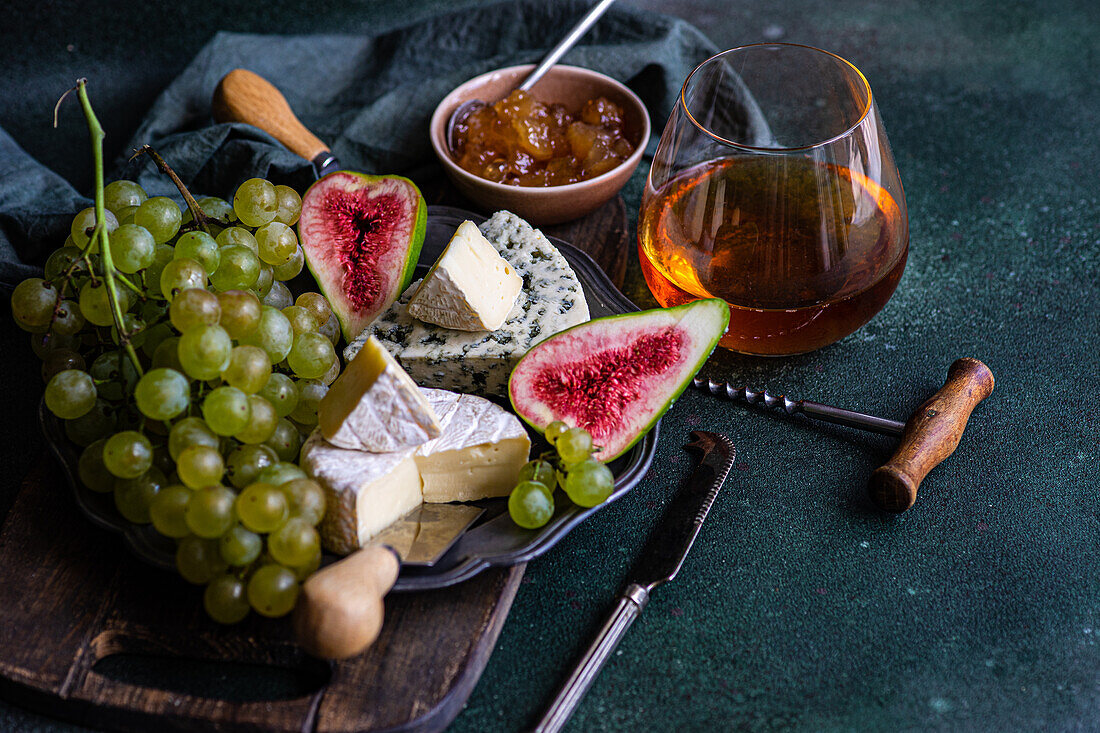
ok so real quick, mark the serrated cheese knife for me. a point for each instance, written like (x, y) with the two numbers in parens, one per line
(659, 562)
(340, 609)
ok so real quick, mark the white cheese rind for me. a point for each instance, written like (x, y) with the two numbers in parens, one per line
(375, 406)
(550, 301)
(469, 288)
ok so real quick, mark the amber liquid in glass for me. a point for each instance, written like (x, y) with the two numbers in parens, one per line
(803, 253)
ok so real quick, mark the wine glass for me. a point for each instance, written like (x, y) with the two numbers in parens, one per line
(774, 188)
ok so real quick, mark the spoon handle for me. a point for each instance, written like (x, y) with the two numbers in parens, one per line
(566, 43)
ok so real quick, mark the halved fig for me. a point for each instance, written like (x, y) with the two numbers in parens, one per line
(361, 236)
(616, 376)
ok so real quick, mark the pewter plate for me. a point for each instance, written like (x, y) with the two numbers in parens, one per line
(494, 540)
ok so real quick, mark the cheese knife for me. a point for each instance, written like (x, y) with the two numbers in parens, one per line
(340, 610)
(659, 562)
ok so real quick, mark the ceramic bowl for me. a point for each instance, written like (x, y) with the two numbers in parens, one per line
(541, 205)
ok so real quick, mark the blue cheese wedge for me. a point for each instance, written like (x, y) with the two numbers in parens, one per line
(374, 406)
(477, 455)
(469, 288)
(550, 301)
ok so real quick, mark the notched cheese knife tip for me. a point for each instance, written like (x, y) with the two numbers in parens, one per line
(659, 562)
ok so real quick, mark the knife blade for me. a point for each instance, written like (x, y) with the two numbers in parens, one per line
(340, 609)
(659, 562)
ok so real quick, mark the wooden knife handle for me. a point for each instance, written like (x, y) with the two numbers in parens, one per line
(245, 96)
(931, 434)
(340, 611)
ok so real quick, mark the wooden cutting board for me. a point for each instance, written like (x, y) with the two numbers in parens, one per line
(72, 597)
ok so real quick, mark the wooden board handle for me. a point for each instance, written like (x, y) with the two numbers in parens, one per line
(931, 434)
(340, 611)
(244, 96)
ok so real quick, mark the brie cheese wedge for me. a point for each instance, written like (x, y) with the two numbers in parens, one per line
(375, 406)
(469, 288)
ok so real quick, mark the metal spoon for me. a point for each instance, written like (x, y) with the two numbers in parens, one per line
(574, 34)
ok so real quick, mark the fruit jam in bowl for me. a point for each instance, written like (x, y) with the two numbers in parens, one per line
(549, 155)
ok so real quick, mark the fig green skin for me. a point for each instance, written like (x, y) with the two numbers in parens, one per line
(717, 325)
(412, 253)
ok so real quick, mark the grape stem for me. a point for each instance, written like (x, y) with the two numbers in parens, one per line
(199, 217)
(95, 131)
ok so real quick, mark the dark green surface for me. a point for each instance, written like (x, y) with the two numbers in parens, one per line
(801, 606)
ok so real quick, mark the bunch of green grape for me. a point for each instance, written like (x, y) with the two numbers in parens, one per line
(193, 415)
(586, 481)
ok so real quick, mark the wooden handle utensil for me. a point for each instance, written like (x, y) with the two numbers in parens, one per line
(340, 609)
(931, 434)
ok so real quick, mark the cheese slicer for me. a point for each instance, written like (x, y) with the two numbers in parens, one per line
(340, 609)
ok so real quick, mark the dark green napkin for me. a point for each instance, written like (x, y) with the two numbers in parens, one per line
(369, 96)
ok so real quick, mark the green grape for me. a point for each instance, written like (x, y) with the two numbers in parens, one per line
(85, 221)
(290, 205)
(256, 202)
(134, 328)
(241, 311)
(279, 295)
(210, 511)
(311, 356)
(226, 410)
(281, 392)
(530, 504)
(310, 392)
(125, 215)
(168, 510)
(198, 560)
(301, 320)
(588, 483)
(167, 355)
(226, 599)
(188, 432)
(264, 281)
(294, 543)
(248, 369)
(134, 496)
(305, 499)
(237, 236)
(276, 243)
(60, 360)
(261, 507)
(32, 304)
(97, 423)
(70, 393)
(179, 275)
(201, 247)
(273, 590)
(574, 445)
(239, 268)
(302, 572)
(162, 394)
(292, 267)
(67, 319)
(122, 193)
(215, 208)
(160, 215)
(239, 546)
(244, 464)
(91, 470)
(60, 261)
(273, 334)
(540, 471)
(204, 351)
(554, 431)
(331, 329)
(132, 248)
(45, 342)
(95, 304)
(261, 424)
(285, 441)
(194, 307)
(154, 336)
(279, 473)
(128, 454)
(199, 466)
(333, 372)
(162, 255)
(316, 304)
(115, 374)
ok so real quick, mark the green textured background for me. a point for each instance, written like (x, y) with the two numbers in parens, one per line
(800, 605)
